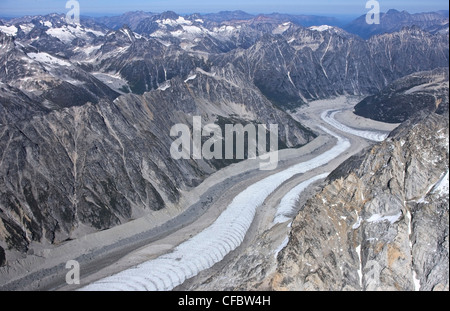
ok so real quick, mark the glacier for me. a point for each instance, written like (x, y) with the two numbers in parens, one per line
(286, 208)
(211, 245)
(328, 117)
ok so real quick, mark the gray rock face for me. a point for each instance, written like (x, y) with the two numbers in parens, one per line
(402, 99)
(382, 221)
(2, 257)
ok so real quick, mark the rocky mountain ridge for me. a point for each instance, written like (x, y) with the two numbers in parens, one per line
(381, 221)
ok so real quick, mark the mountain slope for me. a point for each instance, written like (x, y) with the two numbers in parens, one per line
(406, 96)
(53, 82)
(381, 222)
(69, 172)
(299, 65)
(131, 19)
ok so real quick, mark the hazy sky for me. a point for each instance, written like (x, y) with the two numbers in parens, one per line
(109, 7)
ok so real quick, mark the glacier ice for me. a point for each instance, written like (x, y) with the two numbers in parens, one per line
(286, 208)
(211, 245)
(328, 117)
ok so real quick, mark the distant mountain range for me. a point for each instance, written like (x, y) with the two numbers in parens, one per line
(394, 20)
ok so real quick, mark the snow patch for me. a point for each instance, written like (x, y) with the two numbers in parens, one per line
(68, 33)
(90, 49)
(441, 187)
(177, 33)
(321, 28)
(182, 20)
(127, 33)
(172, 23)
(192, 30)
(357, 223)
(62, 34)
(113, 80)
(48, 59)
(417, 284)
(224, 29)
(26, 28)
(192, 77)
(281, 28)
(280, 248)
(164, 87)
(416, 281)
(379, 218)
(358, 251)
(290, 79)
(9, 30)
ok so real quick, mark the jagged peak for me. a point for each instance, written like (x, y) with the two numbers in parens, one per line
(168, 15)
(128, 32)
(393, 11)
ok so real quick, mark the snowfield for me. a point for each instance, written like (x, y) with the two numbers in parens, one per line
(68, 33)
(328, 117)
(48, 59)
(9, 30)
(321, 28)
(211, 245)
